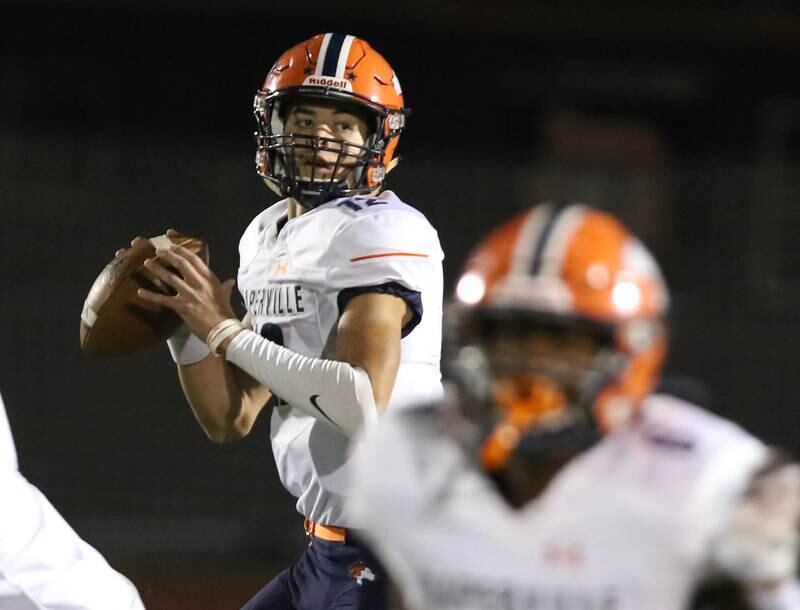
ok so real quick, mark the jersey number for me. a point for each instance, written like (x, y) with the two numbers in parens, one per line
(361, 204)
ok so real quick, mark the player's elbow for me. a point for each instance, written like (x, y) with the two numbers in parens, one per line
(229, 430)
(220, 438)
(221, 435)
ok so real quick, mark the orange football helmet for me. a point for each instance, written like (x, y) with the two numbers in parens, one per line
(332, 68)
(564, 310)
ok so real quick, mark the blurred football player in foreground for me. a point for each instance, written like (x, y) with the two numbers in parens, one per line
(554, 479)
(44, 564)
(343, 287)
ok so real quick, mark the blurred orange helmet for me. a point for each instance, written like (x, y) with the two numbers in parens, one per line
(577, 274)
(329, 68)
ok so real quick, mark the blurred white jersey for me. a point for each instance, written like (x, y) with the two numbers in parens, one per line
(627, 525)
(296, 278)
(8, 453)
(44, 564)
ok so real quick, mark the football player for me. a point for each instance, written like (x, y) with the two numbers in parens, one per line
(554, 478)
(44, 564)
(342, 282)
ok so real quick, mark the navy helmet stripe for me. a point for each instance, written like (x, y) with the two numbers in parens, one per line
(332, 54)
(544, 237)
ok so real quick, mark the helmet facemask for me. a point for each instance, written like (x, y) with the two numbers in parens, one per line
(314, 169)
(544, 374)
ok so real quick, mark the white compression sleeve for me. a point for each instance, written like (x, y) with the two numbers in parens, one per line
(334, 392)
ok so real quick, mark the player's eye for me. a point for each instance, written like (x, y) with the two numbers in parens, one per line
(301, 122)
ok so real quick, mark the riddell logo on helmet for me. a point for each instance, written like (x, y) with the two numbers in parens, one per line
(328, 81)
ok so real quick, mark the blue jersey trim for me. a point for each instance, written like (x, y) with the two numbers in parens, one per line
(412, 298)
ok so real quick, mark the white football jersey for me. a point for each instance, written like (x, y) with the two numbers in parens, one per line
(295, 278)
(8, 453)
(44, 564)
(627, 525)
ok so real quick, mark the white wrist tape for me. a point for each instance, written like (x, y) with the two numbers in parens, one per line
(220, 332)
(331, 391)
(186, 348)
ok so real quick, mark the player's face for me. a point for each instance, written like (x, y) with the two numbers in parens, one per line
(337, 129)
(521, 358)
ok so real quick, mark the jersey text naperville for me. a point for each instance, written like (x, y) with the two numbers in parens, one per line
(282, 300)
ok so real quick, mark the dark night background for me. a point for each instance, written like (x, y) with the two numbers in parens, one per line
(124, 118)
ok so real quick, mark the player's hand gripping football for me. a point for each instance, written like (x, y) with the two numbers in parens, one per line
(199, 298)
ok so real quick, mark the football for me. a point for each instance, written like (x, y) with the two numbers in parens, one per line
(114, 320)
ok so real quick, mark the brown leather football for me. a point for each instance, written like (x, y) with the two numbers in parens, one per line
(114, 320)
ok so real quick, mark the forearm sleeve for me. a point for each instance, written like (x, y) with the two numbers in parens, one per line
(334, 392)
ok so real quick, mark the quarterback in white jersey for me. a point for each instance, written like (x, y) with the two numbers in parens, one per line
(343, 288)
(296, 286)
(553, 479)
(44, 564)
